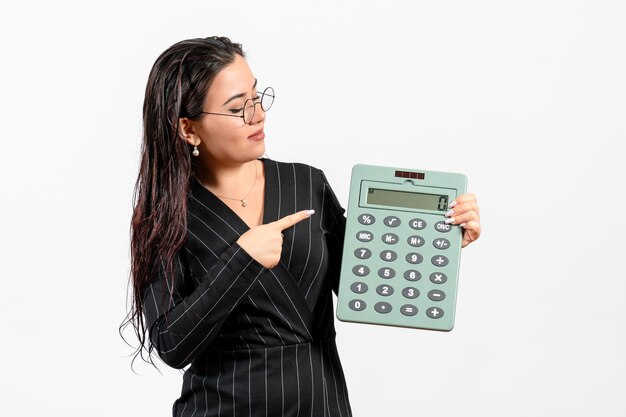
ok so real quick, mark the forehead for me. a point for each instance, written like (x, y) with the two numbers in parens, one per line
(235, 78)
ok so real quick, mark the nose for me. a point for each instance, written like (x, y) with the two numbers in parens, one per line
(259, 114)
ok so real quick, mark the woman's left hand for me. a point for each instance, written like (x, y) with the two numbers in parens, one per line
(464, 212)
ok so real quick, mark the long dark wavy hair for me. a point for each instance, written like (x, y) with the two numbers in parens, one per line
(177, 87)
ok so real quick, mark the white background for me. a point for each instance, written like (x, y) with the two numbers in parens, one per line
(527, 98)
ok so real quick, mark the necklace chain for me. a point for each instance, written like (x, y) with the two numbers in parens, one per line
(244, 203)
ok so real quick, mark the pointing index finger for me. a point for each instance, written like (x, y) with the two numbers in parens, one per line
(288, 221)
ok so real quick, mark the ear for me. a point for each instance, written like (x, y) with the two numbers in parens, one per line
(187, 131)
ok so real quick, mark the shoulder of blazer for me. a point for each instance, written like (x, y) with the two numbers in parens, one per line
(299, 167)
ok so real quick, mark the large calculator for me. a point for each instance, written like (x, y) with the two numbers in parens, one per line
(400, 263)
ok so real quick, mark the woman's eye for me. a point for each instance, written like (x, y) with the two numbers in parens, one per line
(235, 111)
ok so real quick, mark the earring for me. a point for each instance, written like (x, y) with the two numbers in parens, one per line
(195, 151)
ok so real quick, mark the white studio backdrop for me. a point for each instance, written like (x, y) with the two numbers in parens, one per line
(527, 98)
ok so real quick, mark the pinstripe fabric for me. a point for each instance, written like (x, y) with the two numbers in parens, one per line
(255, 341)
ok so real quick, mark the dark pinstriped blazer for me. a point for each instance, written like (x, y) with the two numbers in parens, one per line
(259, 342)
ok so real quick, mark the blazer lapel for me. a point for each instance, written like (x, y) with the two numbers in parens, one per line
(272, 211)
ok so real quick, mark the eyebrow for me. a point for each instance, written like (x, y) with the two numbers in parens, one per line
(236, 96)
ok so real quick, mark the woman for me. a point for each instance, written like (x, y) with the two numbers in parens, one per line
(234, 258)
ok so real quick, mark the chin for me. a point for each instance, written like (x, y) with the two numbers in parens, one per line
(259, 152)
(248, 156)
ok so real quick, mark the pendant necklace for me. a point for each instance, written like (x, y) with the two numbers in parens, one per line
(244, 203)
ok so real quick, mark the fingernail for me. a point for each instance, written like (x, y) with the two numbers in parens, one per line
(462, 225)
(449, 213)
(310, 212)
(452, 204)
(450, 220)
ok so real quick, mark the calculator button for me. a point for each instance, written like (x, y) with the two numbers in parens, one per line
(410, 292)
(359, 287)
(390, 238)
(443, 227)
(357, 305)
(439, 260)
(391, 221)
(367, 219)
(388, 255)
(382, 307)
(362, 253)
(441, 243)
(417, 224)
(364, 236)
(360, 270)
(438, 278)
(415, 241)
(414, 258)
(412, 275)
(408, 310)
(434, 312)
(386, 273)
(384, 290)
(436, 295)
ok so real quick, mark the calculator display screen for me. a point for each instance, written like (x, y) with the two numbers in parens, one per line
(407, 199)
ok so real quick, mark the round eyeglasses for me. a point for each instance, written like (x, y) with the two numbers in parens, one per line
(265, 99)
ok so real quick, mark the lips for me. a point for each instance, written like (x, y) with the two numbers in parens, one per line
(258, 135)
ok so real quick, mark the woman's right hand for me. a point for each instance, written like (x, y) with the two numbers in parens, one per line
(264, 243)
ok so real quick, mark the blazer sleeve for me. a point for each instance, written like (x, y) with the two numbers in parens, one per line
(337, 229)
(182, 326)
